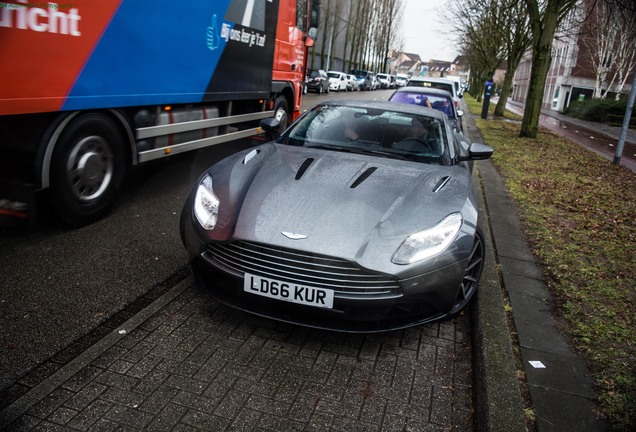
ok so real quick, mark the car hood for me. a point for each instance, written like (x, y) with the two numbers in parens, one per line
(339, 204)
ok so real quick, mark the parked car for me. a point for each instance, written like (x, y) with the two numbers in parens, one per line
(365, 78)
(375, 83)
(439, 83)
(354, 85)
(329, 229)
(384, 80)
(458, 84)
(401, 80)
(440, 100)
(337, 80)
(317, 81)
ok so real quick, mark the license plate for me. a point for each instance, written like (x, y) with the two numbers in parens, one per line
(291, 292)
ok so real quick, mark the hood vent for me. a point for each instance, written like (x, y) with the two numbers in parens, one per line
(442, 182)
(304, 167)
(251, 155)
(363, 176)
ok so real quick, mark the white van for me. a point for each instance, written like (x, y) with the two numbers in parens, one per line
(439, 83)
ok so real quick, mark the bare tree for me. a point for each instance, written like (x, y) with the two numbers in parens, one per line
(600, 34)
(516, 42)
(545, 17)
(623, 52)
(481, 33)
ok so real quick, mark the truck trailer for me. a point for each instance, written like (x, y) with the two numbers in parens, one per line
(90, 89)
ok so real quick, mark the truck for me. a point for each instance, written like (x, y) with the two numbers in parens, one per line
(90, 89)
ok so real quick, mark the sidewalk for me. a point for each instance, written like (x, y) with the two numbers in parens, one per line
(612, 132)
(597, 137)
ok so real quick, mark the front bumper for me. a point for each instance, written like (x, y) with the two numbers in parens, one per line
(414, 300)
(422, 299)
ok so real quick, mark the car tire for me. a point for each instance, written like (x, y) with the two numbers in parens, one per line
(305, 90)
(472, 273)
(328, 90)
(88, 168)
(320, 89)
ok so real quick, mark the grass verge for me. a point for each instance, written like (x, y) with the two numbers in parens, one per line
(578, 212)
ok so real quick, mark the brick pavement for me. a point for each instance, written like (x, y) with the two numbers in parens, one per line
(190, 363)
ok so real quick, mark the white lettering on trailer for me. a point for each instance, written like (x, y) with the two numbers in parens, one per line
(27, 16)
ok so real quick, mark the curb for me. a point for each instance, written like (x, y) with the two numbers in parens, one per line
(498, 400)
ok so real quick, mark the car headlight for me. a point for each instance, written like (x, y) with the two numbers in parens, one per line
(429, 242)
(206, 204)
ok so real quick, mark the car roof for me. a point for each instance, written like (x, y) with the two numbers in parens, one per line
(427, 90)
(432, 79)
(387, 106)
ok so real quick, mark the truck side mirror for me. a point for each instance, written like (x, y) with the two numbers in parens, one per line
(311, 36)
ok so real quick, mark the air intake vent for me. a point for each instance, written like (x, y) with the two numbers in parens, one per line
(304, 167)
(251, 155)
(442, 182)
(363, 176)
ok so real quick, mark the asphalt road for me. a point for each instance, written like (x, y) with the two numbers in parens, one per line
(56, 285)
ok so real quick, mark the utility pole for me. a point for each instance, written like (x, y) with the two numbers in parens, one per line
(626, 119)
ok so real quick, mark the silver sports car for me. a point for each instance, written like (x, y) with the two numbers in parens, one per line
(360, 217)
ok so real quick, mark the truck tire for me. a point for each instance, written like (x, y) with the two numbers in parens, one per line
(281, 112)
(88, 168)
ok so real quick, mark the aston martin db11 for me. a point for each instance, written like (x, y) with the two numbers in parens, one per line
(360, 217)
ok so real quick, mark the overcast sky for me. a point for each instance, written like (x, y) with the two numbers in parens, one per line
(424, 30)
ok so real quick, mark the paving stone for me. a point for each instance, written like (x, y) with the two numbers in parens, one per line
(85, 396)
(50, 403)
(90, 415)
(200, 366)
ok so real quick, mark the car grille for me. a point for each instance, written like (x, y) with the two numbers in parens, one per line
(346, 279)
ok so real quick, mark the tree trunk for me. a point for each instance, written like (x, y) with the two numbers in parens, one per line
(542, 34)
(505, 92)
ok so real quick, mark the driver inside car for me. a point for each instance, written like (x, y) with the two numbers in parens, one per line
(418, 139)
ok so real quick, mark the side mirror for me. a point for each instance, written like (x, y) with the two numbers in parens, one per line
(460, 113)
(271, 126)
(312, 33)
(477, 151)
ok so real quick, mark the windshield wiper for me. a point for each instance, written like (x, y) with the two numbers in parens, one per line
(329, 147)
(379, 152)
(361, 150)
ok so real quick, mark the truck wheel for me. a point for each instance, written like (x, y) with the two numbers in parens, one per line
(280, 113)
(87, 169)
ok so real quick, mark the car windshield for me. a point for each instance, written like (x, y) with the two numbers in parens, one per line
(314, 74)
(440, 103)
(333, 75)
(371, 131)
